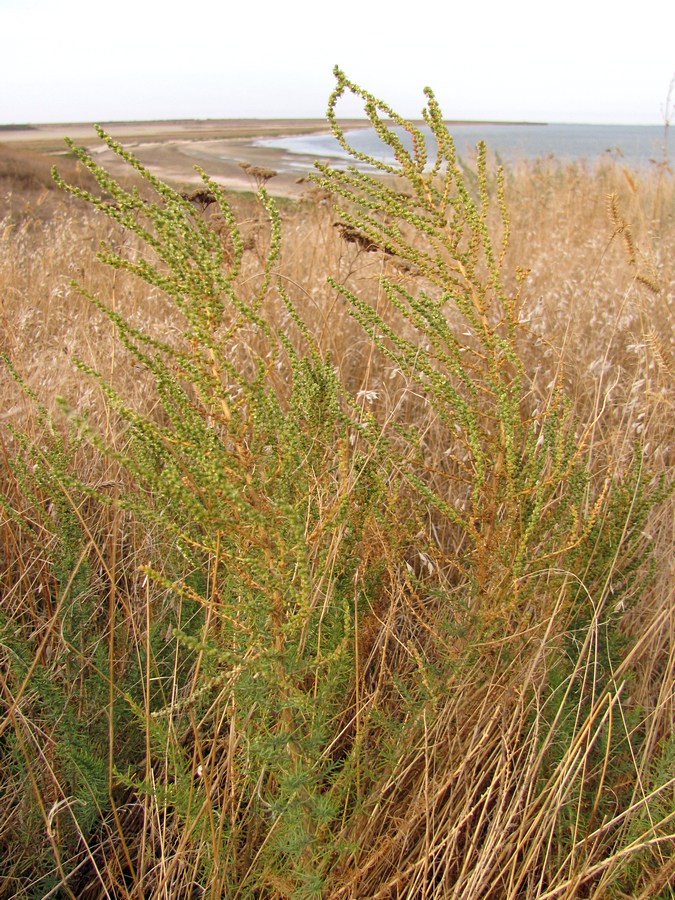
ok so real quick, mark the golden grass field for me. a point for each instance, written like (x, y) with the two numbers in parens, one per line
(467, 808)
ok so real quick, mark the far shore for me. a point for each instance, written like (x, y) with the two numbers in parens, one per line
(171, 149)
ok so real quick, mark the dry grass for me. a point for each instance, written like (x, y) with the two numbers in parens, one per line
(482, 798)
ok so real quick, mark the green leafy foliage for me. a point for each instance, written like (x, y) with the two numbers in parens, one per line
(320, 664)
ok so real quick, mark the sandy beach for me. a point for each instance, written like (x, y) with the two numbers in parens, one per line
(172, 149)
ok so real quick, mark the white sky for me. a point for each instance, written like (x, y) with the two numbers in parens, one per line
(604, 61)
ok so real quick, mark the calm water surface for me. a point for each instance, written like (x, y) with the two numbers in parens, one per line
(636, 145)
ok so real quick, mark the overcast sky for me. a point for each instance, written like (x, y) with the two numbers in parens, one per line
(604, 61)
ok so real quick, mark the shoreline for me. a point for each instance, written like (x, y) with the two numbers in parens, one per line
(171, 149)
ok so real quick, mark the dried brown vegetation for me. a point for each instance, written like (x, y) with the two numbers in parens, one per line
(518, 755)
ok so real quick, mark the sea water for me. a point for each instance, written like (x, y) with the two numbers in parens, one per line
(635, 145)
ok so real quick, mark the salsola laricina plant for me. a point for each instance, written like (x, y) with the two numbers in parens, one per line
(322, 591)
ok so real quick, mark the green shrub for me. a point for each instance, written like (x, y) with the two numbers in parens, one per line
(339, 667)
